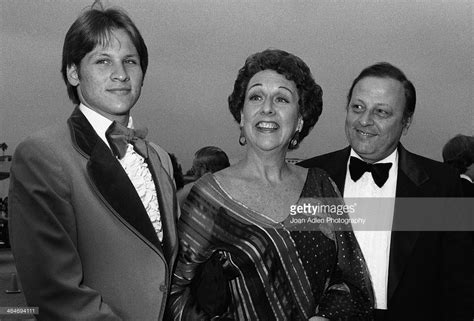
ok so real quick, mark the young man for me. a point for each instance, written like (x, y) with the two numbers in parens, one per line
(93, 207)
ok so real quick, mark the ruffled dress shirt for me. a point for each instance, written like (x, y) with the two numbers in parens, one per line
(135, 167)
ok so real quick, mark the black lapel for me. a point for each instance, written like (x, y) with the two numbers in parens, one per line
(337, 167)
(334, 163)
(415, 173)
(410, 178)
(109, 177)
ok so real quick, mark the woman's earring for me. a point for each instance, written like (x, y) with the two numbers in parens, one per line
(242, 139)
(295, 140)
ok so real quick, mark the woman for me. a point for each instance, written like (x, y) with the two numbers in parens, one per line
(273, 272)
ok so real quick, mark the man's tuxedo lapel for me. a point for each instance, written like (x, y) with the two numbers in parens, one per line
(410, 178)
(110, 179)
(337, 167)
(335, 164)
(168, 204)
(414, 172)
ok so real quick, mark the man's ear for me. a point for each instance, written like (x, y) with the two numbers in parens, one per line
(406, 125)
(72, 75)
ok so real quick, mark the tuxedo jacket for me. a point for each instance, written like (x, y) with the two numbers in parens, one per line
(83, 244)
(430, 273)
(468, 188)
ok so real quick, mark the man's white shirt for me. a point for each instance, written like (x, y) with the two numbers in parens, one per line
(375, 243)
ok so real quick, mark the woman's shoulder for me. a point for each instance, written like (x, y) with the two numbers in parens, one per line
(208, 197)
(230, 179)
(204, 182)
(318, 174)
(319, 180)
(228, 173)
(204, 197)
(209, 187)
(316, 171)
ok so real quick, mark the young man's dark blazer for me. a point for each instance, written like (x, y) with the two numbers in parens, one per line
(83, 244)
(430, 273)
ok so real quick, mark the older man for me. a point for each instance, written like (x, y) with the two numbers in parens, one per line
(417, 275)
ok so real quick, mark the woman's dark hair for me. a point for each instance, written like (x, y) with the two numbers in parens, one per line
(294, 69)
(94, 27)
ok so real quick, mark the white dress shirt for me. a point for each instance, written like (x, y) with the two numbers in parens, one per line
(375, 243)
(134, 165)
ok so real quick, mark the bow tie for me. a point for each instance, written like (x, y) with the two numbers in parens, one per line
(119, 136)
(379, 171)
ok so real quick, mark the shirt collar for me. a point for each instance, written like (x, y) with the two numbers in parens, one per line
(466, 177)
(99, 122)
(366, 187)
(392, 158)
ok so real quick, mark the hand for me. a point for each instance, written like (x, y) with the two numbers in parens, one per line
(318, 319)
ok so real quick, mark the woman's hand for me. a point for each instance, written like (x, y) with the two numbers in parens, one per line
(318, 319)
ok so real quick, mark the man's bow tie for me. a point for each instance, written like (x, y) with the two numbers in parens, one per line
(379, 171)
(119, 136)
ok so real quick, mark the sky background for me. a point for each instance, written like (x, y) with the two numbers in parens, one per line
(196, 48)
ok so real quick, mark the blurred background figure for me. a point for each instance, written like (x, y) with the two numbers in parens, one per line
(177, 172)
(4, 238)
(459, 153)
(5, 163)
(209, 159)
